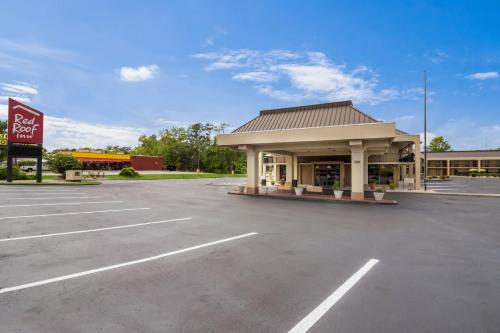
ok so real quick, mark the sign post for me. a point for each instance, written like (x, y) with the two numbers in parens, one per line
(24, 136)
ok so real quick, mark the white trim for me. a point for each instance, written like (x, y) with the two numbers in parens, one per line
(38, 114)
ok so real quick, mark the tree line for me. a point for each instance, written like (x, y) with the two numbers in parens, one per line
(193, 148)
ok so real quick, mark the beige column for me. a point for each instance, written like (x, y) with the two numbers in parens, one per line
(253, 167)
(295, 167)
(448, 168)
(289, 169)
(357, 170)
(395, 174)
(365, 170)
(418, 171)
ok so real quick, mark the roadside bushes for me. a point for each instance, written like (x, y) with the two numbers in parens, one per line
(16, 174)
(60, 163)
(129, 172)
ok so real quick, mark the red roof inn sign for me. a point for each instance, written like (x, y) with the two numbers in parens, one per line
(25, 124)
(24, 136)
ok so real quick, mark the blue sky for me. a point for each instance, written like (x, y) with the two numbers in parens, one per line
(105, 72)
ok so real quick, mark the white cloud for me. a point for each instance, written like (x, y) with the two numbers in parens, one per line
(437, 56)
(17, 98)
(209, 41)
(20, 88)
(296, 76)
(482, 76)
(33, 48)
(67, 133)
(255, 76)
(140, 73)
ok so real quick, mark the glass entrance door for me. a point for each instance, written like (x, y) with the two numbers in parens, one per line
(326, 174)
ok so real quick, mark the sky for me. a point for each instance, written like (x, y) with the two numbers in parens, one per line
(105, 72)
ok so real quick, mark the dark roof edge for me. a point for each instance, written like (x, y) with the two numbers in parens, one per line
(312, 106)
(464, 151)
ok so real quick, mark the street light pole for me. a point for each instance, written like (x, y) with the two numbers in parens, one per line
(425, 131)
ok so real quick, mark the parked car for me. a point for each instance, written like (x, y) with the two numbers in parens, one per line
(28, 168)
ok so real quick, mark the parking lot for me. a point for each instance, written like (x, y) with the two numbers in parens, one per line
(466, 185)
(183, 256)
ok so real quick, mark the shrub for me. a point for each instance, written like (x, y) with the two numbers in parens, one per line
(16, 174)
(393, 186)
(380, 190)
(473, 174)
(129, 172)
(60, 163)
(442, 177)
(336, 186)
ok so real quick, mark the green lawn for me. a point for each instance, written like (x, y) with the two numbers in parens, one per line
(176, 176)
(46, 182)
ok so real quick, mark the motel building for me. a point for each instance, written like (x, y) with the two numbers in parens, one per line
(97, 160)
(312, 146)
(459, 163)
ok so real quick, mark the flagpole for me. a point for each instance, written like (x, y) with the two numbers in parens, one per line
(425, 130)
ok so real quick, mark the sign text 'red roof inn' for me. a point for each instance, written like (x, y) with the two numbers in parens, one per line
(25, 124)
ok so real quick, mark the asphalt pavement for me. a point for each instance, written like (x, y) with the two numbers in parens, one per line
(184, 256)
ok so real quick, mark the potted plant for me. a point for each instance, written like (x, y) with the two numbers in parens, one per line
(372, 182)
(298, 191)
(379, 194)
(273, 187)
(393, 186)
(337, 190)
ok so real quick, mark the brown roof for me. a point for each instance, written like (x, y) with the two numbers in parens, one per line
(318, 115)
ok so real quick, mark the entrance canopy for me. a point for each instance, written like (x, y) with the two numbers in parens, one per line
(318, 130)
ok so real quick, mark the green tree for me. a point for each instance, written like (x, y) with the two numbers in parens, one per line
(60, 163)
(3, 149)
(439, 144)
(3, 126)
(193, 148)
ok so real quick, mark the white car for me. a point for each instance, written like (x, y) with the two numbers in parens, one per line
(28, 168)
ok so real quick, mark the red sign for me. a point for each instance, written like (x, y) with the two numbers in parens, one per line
(25, 124)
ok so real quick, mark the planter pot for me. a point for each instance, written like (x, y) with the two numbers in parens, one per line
(378, 196)
(241, 189)
(273, 188)
(263, 189)
(372, 186)
(338, 194)
(298, 191)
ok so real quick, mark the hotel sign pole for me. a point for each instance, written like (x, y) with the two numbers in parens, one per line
(425, 131)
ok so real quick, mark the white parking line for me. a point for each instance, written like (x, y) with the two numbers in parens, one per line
(93, 230)
(305, 324)
(41, 190)
(50, 198)
(73, 213)
(128, 263)
(59, 204)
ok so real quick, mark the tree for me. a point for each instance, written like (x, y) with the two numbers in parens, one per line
(439, 144)
(193, 148)
(3, 126)
(3, 149)
(60, 163)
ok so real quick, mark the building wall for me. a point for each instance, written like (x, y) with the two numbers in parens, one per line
(146, 162)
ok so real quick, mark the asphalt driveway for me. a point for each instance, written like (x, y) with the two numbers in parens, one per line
(183, 256)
